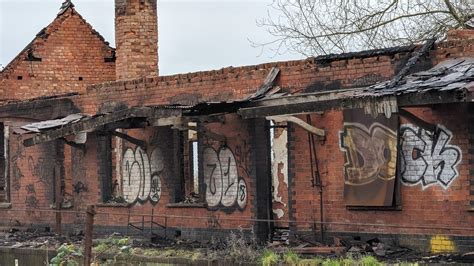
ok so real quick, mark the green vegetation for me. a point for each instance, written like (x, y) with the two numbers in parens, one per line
(68, 255)
(311, 262)
(236, 248)
(291, 258)
(369, 261)
(269, 258)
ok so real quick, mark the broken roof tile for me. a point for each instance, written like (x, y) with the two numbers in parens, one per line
(448, 75)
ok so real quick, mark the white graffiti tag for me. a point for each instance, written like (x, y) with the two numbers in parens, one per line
(141, 175)
(224, 188)
(427, 157)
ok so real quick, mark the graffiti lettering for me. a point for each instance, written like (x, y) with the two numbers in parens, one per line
(16, 174)
(31, 200)
(141, 175)
(427, 157)
(370, 153)
(213, 222)
(79, 187)
(16, 171)
(39, 169)
(224, 188)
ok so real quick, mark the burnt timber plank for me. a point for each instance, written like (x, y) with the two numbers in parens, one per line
(96, 122)
(303, 104)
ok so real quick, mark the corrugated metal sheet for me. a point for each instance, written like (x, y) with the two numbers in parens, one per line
(50, 124)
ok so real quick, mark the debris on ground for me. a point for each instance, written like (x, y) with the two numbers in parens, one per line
(238, 244)
(35, 238)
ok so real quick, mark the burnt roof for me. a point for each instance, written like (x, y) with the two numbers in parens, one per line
(448, 75)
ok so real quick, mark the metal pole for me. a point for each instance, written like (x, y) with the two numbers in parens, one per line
(90, 212)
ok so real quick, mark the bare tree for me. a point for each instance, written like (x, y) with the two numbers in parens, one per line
(315, 27)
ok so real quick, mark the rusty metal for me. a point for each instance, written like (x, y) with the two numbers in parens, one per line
(90, 212)
(369, 143)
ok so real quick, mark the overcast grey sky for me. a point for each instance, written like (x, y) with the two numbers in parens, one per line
(194, 35)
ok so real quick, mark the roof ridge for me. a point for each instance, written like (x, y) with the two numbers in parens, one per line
(65, 5)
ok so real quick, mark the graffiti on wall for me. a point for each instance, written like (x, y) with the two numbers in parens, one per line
(369, 143)
(141, 175)
(40, 169)
(224, 188)
(428, 158)
(31, 201)
(17, 156)
(370, 153)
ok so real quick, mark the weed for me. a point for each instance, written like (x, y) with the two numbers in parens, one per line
(241, 248)
(111, 245)
(310, 262)
(369, 261)
(331, 262)
(269, 258)
(291, 258)
(348, 261)
(68, 255)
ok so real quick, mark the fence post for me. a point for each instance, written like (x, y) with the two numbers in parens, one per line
(90, 212)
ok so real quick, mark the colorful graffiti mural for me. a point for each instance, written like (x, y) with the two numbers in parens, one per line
(427, 158)
(141, 175)
(224, 188)
(370, 153)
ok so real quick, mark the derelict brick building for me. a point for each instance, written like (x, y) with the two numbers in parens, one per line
(382, 146)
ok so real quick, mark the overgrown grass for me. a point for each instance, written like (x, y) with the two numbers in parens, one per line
(269, 258)
(369, 261)
(291, 258)
(311, 262)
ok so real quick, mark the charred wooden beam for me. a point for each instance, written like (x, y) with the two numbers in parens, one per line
(267, 84)
(96, 122)
(167, 121)
(73, 144)
(304, 104)
(138, 142)
(298, 122)
(411, 62)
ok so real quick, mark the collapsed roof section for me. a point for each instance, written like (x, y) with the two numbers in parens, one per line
(451, 81)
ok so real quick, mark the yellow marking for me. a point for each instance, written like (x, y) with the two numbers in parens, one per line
(441, 244)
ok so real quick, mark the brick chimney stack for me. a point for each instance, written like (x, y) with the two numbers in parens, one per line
(136, 39)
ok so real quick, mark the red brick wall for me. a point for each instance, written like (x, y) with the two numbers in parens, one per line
(236, 83)
(433, 206)
(31, 180)
(296, 76)
(83, 184)
(72, 57)
(136, 37)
